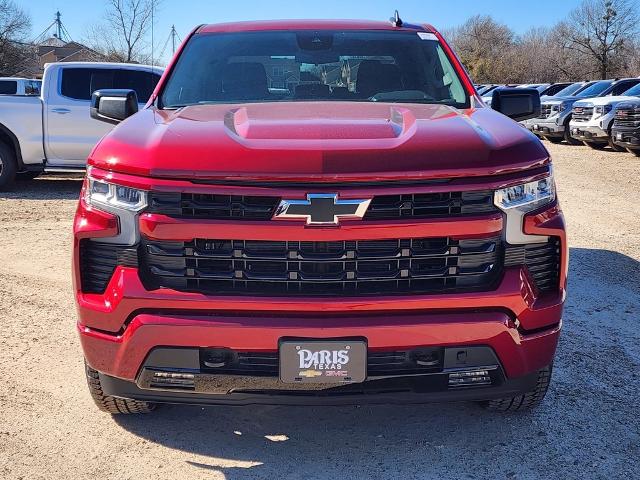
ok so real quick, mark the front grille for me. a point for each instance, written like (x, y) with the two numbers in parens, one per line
(545, 111)
(212, 206)
(541, 259)
(366, 267)
(98, 261)
(382, 207)
(627, 117)
(379, 364)
(582, 114)
(431, 205)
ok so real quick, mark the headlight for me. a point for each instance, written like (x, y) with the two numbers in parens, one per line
(559, 108)
(526, 196)
(602, 110)
(111, 196)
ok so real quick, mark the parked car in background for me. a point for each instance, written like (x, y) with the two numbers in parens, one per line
(592, 120)
(486, 89)
(554, 88)
(54, 130)
(19, 86)
(488, 95)
(625, 132)
(538, 86)
(553, 123)
(567, 90)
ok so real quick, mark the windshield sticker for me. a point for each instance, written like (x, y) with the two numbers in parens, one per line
(427, 36)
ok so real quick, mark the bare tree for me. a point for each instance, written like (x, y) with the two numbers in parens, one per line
(123, 34)
(601, 30)
(482, 44)
(15, 25)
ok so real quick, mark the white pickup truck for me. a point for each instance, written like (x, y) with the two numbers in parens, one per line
(19, 86)
(54, 131)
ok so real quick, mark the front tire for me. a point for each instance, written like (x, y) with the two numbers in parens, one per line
(612, 144)
(596, 146)
(568, 138)
(27, 176)
(113, 405)
(526, 401)
(8, 167)
(634, 151)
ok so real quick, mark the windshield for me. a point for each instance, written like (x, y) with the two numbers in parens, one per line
(632, 92)
(595, 89)
(569, 90)
(287, 66)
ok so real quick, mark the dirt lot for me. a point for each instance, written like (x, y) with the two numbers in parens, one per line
(587, 428)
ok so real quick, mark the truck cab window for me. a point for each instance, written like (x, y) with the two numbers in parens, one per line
(8, 87)
(80, 84)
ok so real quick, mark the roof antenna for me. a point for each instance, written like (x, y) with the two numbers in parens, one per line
(396, 21)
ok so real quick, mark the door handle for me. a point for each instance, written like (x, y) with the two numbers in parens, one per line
(62, 111)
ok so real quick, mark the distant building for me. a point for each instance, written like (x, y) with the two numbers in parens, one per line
(54, 49)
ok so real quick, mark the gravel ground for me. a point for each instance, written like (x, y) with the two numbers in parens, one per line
(587, 428)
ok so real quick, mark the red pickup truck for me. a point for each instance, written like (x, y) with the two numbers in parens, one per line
(318, 212)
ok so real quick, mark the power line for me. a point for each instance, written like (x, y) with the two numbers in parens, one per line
(61, 32)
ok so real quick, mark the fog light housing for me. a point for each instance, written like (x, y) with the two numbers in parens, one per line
(173, 380)
(469, 378)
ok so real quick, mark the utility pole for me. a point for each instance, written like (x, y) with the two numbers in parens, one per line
(174, 34)
(59, 31)
(58, 23)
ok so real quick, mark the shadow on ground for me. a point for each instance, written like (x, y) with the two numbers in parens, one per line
(586, 422)
(47, 187)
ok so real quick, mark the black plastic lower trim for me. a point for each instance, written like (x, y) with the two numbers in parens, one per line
(392, 393)
(32, 167)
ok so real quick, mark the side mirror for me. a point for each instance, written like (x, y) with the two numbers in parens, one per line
(113, 106)
(517, 103)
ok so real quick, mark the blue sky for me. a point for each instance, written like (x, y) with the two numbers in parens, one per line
(185, 14)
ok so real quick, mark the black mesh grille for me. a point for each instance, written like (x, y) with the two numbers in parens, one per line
(431, 205)
(582, 114)
(382, 207)
(627, 117)
(212, 206)
(379, 364)
(542, 261)
(99, 260)
(428, 265)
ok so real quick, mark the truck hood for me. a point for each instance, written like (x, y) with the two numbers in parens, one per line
(604, 101)
(318, 141)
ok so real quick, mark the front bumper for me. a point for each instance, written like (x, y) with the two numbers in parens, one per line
(546, 128)
(123, 355)
(628, 138)
(588, 133)
(207, 388)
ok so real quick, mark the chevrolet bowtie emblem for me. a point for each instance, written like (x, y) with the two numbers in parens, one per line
(321, 209)
(310, 373)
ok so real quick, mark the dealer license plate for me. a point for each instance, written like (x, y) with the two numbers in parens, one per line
(322, 361)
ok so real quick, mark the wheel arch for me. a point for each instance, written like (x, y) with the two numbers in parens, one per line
(9, 138)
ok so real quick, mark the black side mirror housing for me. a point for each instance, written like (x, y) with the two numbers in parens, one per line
(517, 103)
(113, 105)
